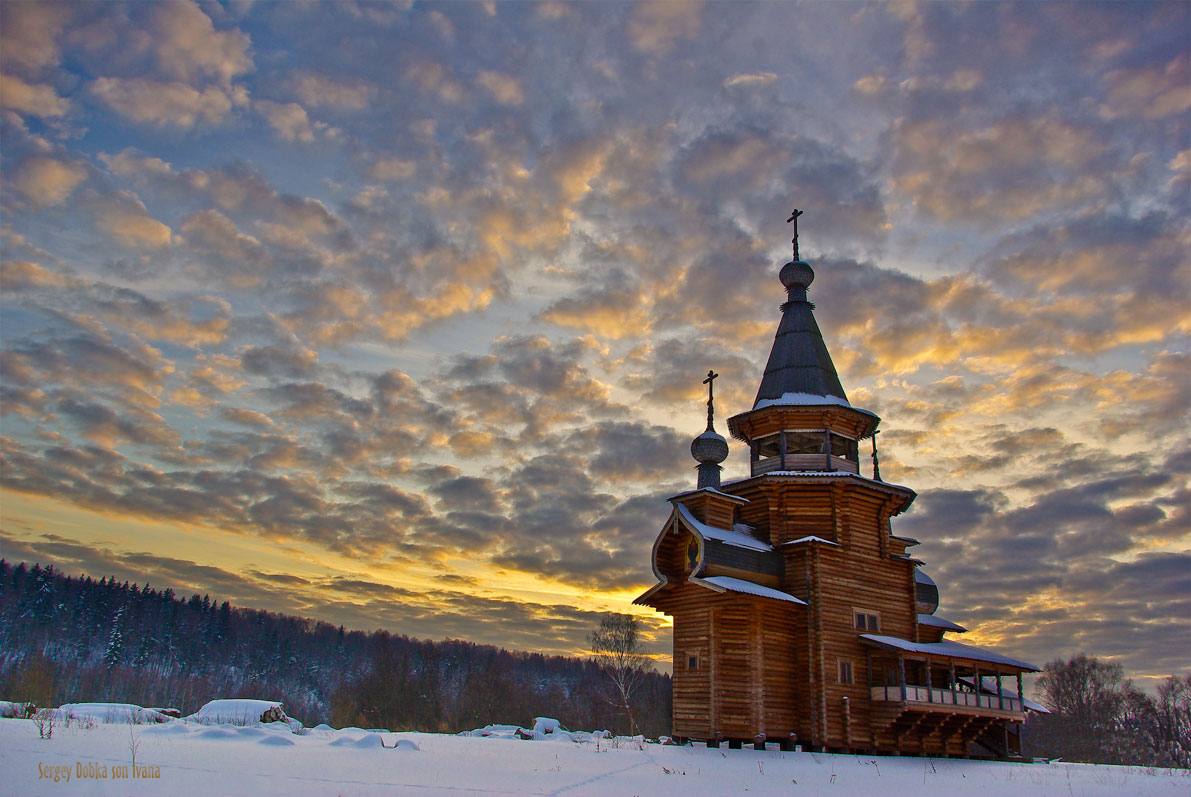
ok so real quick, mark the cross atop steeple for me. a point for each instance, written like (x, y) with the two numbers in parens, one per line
(710, 382)
(794, 218)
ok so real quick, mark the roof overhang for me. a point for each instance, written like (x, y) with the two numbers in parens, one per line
(946, 650)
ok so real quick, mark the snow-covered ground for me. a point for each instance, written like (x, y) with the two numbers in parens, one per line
(185, 757)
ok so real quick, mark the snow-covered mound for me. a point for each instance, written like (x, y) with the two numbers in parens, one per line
(16, 709)
(241, 711)
(112, 712)
(543, 728)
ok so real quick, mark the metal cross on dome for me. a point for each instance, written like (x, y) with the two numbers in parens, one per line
(710, 382)
(794, 218)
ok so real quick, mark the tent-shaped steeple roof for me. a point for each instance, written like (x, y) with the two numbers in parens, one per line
(799, 370)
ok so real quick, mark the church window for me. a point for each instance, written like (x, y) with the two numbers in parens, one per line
(692, 662)
(867, 621)
(844, 447)
(845, 672)
(804, 442)
(769, 447)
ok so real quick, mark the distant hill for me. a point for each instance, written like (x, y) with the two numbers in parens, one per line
(65, 639)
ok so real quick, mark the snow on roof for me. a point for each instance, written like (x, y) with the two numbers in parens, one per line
(747, 587)
(811, 538)
(801, 400)
(954, 650)
(923, 578)
(939, 622)
(726, 536)
(714, 491)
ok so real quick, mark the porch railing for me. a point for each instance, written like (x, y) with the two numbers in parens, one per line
(920, 694)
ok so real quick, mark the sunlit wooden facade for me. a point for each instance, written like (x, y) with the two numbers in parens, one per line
(799, 616)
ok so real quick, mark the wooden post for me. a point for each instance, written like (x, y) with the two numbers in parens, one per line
(827, 447)
(781, 448)
(951, 668)
(1021, 698)
(976, 684)
(847, 722)
(1000, 697)
(901, 673)
(930, 690)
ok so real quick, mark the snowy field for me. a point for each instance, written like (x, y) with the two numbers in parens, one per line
(185, 757)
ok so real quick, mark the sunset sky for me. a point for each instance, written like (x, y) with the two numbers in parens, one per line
(396, 315)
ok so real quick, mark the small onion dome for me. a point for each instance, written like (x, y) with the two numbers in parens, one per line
(927, 592)
(709, 448)
(796, 276)
(796, 273)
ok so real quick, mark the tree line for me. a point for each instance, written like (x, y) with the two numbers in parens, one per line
(1101, 717)
(72, 639)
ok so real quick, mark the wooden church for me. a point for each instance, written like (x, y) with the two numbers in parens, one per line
(799, 616)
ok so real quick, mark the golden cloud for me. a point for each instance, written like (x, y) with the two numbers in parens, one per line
(29, 33)
(31, 99)
(158, 103)
(188, 47)
(129, 223)
(288, 120)
(506, 89)
(47, 181)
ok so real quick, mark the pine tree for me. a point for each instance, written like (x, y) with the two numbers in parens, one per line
(115, 640)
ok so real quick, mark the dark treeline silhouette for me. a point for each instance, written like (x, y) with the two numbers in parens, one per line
(1101, 717)
(66, 639)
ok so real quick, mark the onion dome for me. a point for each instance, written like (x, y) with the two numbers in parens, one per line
(709, 449)
(796, 276)
(927, 592)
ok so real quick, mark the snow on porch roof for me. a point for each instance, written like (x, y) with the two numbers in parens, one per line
(720, 583)
(939, 622)
(948, 649)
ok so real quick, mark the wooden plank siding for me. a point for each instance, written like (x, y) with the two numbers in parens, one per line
(747, 647)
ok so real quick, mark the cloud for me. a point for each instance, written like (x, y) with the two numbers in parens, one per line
(656, 26)
(289, 120)
(505, 89)
(29, 34)
(1150, 92)
(322, 91)
(126, 219)
(31, 99)
(188, 47)
(46, 181)
(163, 104)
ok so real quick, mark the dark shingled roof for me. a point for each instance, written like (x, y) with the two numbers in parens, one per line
(799, 362)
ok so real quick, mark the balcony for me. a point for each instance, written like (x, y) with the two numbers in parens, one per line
(944, 698)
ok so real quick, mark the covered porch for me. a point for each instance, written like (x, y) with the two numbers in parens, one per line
(940, 698)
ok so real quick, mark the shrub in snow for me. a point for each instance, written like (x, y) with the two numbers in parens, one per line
(45, 720)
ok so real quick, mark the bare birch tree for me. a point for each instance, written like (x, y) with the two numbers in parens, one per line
(617, 647)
